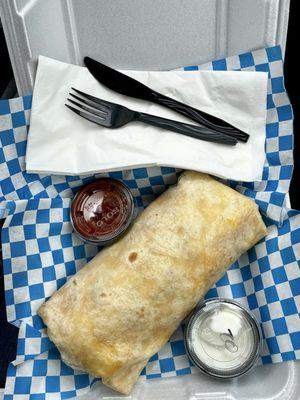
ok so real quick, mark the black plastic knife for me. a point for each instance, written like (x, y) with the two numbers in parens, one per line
(128, 86)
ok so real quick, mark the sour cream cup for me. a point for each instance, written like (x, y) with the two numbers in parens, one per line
(223, 339)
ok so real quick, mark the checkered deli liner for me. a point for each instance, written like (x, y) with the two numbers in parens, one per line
(40, 251)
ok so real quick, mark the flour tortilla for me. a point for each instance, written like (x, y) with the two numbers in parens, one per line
(123, 306)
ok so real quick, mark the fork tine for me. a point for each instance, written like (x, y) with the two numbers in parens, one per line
(90, 117)
(91, 110)
(93, 98)
(90, 103)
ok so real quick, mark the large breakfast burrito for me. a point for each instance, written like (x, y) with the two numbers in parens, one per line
(123, 306)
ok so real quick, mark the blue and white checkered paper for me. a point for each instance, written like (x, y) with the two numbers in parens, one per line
(40, 251)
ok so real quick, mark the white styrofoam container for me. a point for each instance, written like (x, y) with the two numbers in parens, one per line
(137, 34)
(157, 34)
(268, 382)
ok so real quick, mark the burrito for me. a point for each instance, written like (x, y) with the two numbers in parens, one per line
(124, 305)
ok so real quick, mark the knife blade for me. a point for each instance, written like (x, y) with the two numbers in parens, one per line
(125, 85)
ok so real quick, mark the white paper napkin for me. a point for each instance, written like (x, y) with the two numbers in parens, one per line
(61, 142)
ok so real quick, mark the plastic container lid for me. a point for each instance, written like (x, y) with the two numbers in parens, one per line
(102, 211)
(223, 339)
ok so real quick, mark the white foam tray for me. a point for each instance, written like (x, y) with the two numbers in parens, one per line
(268, 382)
(157, 34)
(137, 34)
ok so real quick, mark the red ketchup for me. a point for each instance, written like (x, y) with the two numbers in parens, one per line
(102, 211)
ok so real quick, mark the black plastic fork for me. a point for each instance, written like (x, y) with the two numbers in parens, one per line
(112, 115)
